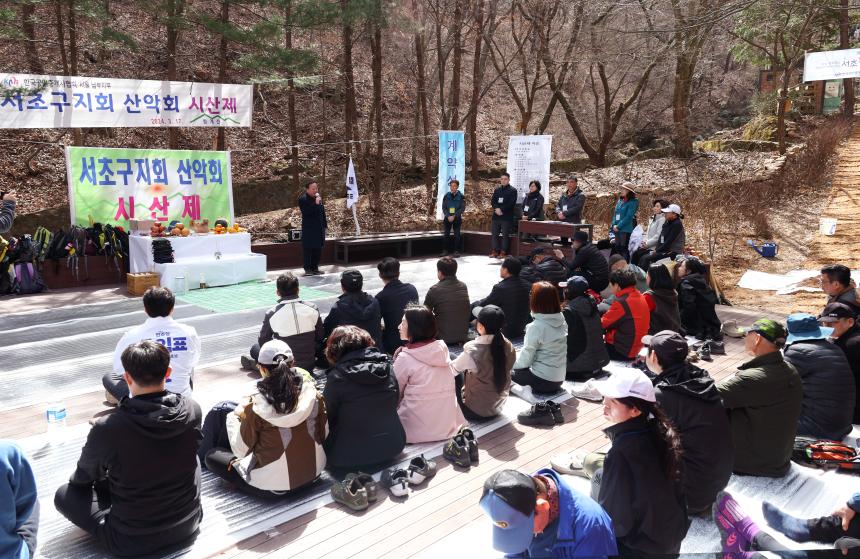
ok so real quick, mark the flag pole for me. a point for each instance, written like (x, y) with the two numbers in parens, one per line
(355, 217)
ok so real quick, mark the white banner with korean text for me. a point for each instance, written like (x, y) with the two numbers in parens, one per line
(31, 101)
(831, 65)
(528, 160)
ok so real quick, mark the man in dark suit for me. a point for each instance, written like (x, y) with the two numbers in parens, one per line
(392, 301)
(314, 225)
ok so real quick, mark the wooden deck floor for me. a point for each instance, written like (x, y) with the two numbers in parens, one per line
(448, 503)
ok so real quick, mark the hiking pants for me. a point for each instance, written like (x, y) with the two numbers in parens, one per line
(457, 239)
(215, 429)
(219, 460)
(525, 377)
(502, 228)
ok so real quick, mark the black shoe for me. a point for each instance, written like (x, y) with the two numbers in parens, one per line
(470, 439)
(248, 364)
(456, 450)
(538, 414)
(716, 348)
(318, 272)
(555, 409)
(705, 353)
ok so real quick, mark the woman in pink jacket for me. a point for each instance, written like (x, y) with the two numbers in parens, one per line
(428, 406)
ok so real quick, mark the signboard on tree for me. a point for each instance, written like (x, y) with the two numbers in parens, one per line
(113, 185)
(831, 65)
(528, 160)
(31, 101)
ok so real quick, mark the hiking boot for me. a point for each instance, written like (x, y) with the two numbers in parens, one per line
(555, 409)
(420, 469)
(351, 494)
(456, 450)
(396, 480)
(587, 391)
(705, 353)
(470, 439)
(366, 481)
(248, 364)
(539, 414)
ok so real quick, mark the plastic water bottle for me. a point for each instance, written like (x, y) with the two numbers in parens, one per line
(56, 416)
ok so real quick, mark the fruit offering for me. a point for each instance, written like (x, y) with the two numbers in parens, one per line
(235, 228)
(157, 230)
(179, 230)
(200, 227)
(220, 229)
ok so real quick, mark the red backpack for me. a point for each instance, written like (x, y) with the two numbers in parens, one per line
(824, 454)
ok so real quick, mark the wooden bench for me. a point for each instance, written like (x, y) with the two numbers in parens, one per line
(403, 242)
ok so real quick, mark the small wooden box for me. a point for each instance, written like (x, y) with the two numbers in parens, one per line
(139, 283)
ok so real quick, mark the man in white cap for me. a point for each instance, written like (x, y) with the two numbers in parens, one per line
(672, 238)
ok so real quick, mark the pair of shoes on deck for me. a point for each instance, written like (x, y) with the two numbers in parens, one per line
(356, 491)
(542, 413)
(399, 480)
(462, 449)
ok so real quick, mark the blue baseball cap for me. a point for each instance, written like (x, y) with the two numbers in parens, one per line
(509, 501)
(804, 326)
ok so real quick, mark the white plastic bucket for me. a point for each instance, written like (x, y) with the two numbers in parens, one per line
(827, 226)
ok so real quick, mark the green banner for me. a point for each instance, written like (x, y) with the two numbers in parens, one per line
(114, 185)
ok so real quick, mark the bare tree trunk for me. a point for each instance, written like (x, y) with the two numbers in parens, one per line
(61, 35)
(844, 43)
(349, 112)
(174, 10)
(416, 122)
(376, 70)
(780, 111)
(454, 116)
(476, 90)
(425, 119)
(221, 139)
(104, 54)
(291, 95)
(681, 105)
(440, 67)
(28, 26)
(73, 58)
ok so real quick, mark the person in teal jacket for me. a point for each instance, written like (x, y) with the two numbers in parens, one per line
(624, 219)
(542, 362)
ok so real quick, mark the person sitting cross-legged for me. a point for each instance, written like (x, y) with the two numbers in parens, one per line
(662, 300)
(589, 262)
(542, 516)
(136, 487)
(512, 296)
(275, 437)
(697, 301)
(180, 340)
(764, 401)
(541, 364)
(828, 384)
(691, 400)
(586, 353)
(361, 397)
(846, 336)
(355, 307)
(485, 367)
(628, 319)
(19, 503)
(393, 298)
(296, 322)
(428, 406)
(449, 301)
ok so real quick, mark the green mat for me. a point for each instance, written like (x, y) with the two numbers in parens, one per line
(243, 296)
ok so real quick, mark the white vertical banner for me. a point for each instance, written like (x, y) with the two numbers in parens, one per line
(528, 160)
(352, 194)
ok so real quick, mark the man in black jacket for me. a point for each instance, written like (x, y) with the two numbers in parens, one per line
(355, 307)
(571, 204)
(314, 225)
(137, 483)
(846, 335)
(296, 322)
(543, 265)
(589, 262)
(672, 238)
(393, 298)
(512, 296)
(503, 202)
(452, 217)
(690, 398)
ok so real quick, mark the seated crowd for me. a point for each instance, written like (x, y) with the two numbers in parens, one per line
(389, 380)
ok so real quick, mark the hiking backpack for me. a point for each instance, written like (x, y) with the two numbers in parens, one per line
(27, 279)
(826, 455)
(42, 239)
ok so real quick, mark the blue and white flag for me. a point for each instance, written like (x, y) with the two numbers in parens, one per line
(351, 186)
(452, 164)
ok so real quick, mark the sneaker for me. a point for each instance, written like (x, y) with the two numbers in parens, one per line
(705, 353)
(397, 481)
(587, 391)
(570, 463)
(420, 469)
(716, 348)
(524, 393)
(351, 494)
(555, 408)
(366, 481)
(538, 414)
(470, 439)
(110, 401)
(248, 364)
(730, 329)
(456, 450)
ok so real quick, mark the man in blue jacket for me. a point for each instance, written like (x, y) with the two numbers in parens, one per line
(503, 202)
(452, 217)
(19, 504)
(542, 516)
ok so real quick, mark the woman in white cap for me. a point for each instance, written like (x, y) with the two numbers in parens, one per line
(638, 482)
(276, 436)
(624, 219)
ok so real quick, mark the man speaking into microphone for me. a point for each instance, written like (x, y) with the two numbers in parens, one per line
(314, 225)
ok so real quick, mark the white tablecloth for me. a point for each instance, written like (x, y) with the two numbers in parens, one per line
(194, 257)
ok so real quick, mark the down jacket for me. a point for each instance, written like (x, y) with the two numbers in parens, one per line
(280, 452)
(696, 303)
(550, 269)
(585, 349)
(828, 389)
